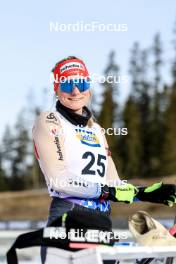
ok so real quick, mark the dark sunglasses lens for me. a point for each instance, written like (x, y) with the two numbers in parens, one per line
(82, 85)
(67, 86)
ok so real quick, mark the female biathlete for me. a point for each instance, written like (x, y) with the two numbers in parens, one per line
(74, 156)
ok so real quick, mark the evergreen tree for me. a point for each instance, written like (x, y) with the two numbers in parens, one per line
(3, 179)
(144, 101)
(156, 124)
(173, 69)
(7, 151)
(131, 143)
(169, 148)
(107, 116)
(140, 91)
(157, 51)
(135, 70)
(19, 168)
(19, 177)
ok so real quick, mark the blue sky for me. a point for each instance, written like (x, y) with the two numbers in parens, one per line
(29, 50)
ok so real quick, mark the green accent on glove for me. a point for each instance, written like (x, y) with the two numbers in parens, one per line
(171, 203)
(64, 216)
(158, 193)
(125, 193)
(154, 187)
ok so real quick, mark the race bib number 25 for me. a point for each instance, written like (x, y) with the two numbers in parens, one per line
(98, 161)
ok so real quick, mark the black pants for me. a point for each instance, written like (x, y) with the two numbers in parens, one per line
(58, 207)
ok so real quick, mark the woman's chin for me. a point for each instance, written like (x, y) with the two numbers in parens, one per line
(75, 106)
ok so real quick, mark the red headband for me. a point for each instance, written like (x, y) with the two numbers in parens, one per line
(74, 67)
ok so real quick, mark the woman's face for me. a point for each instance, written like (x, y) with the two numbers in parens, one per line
(75, 100)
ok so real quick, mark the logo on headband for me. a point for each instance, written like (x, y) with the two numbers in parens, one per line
(71, 65)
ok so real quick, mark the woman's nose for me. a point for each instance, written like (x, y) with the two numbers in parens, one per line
(75, 90)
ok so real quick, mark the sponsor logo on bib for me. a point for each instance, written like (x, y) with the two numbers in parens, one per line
(87, 137)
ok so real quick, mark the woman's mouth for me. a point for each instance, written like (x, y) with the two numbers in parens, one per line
(75, 99)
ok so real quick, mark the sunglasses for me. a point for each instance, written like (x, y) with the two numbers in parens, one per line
(68, 85)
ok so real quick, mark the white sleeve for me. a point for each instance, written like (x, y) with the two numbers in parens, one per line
(74, 186)
(50, 152)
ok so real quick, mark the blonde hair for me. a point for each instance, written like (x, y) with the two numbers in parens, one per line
(90, 122)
